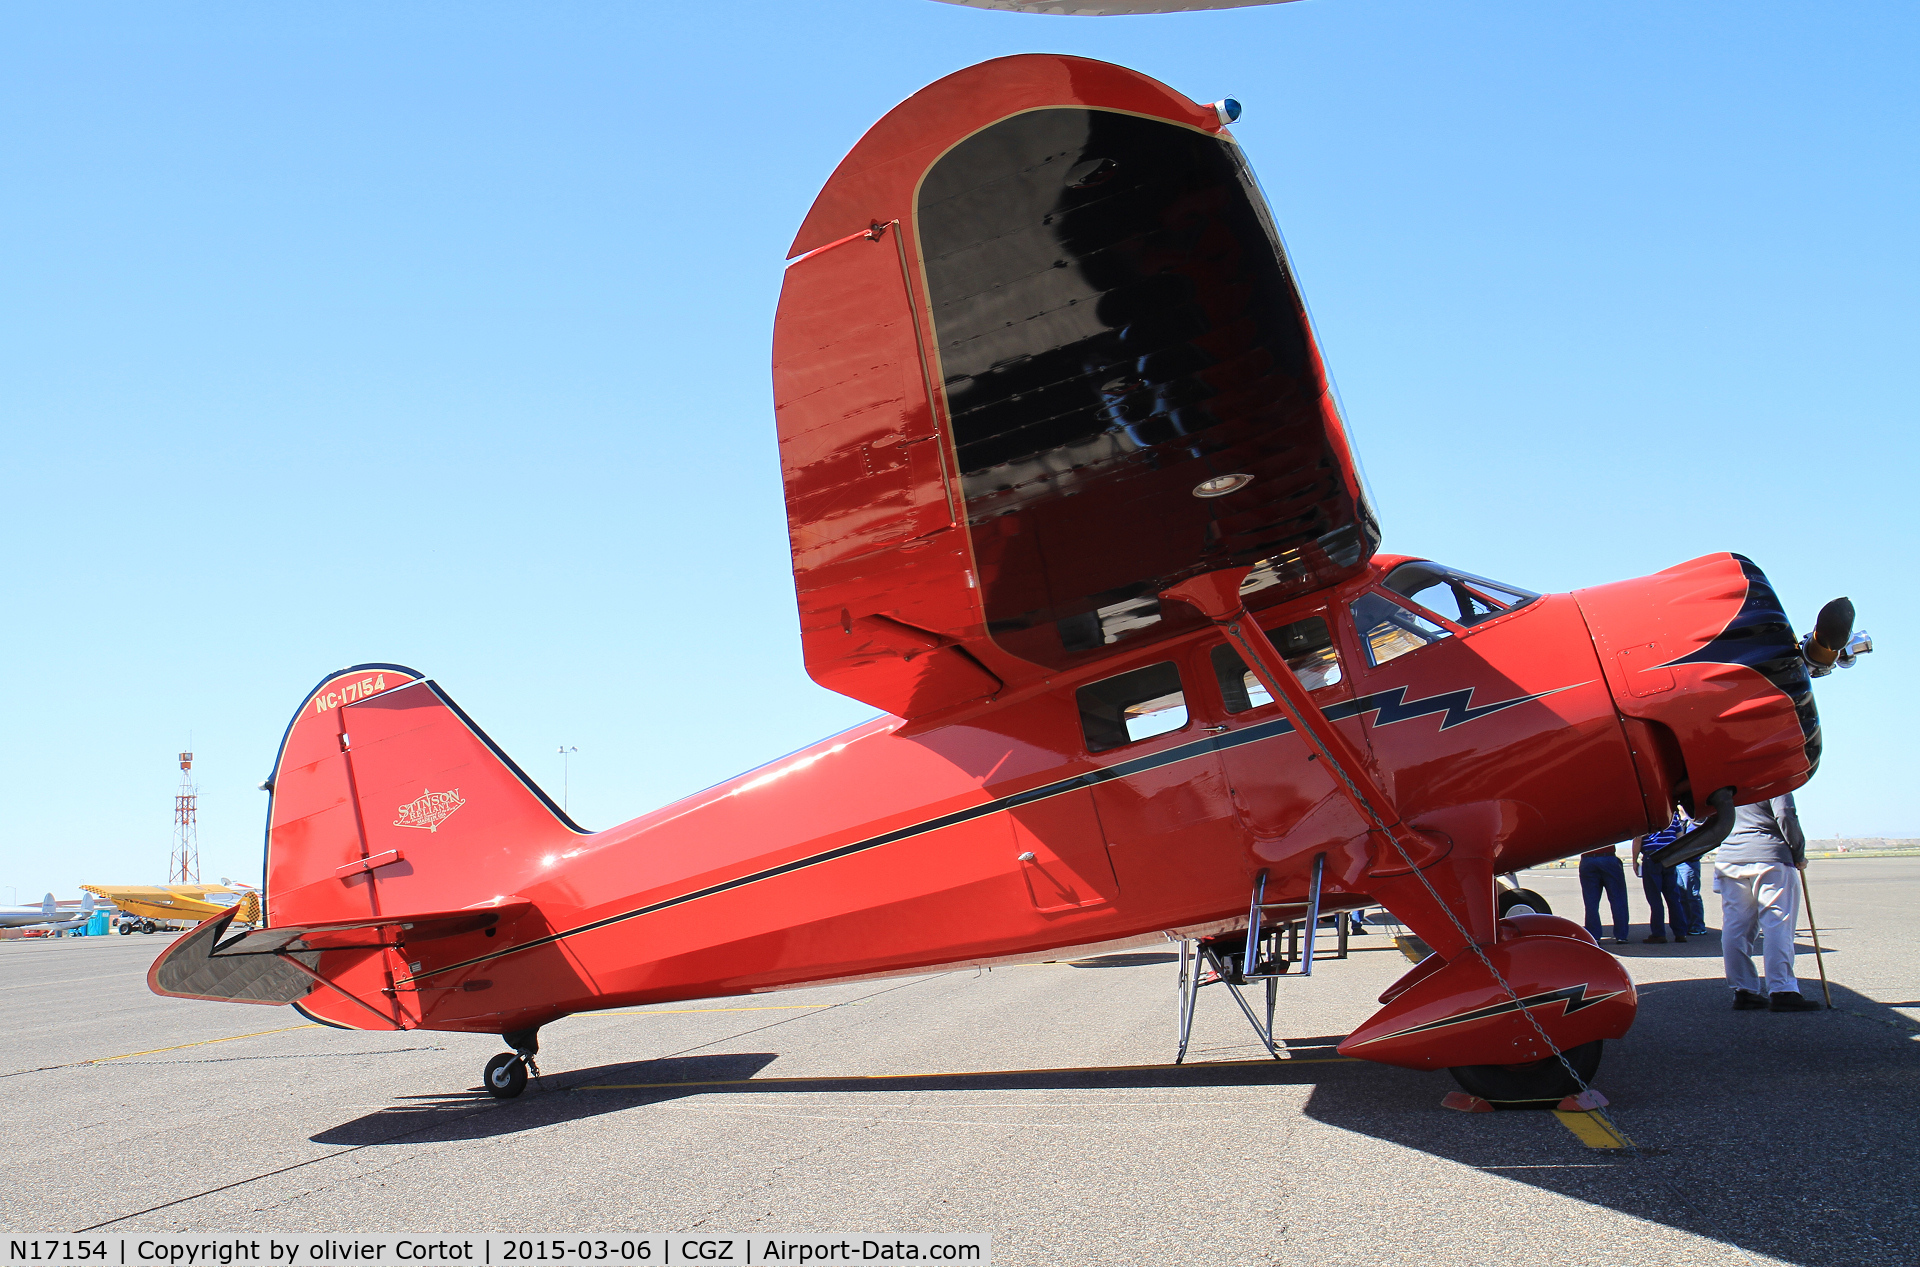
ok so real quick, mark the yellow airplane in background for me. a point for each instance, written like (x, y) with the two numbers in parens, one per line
(147, 904)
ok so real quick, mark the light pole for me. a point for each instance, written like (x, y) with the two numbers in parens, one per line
(566, 757)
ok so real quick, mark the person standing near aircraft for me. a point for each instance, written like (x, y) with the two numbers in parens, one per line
(1693, 906)
(1660, 884)
(1600, 869)
(1758, 869)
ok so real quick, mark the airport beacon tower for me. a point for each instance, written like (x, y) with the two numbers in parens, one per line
(183, 865)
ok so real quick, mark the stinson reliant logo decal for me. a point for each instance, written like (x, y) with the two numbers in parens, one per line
(430, 809)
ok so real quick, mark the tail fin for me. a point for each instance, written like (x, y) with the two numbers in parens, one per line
(387, 799)
(48, 907)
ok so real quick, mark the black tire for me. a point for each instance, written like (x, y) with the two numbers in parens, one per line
(1538, 1085)
(1513, 898)
(146, 926)
(505, 1076)
(126, 930)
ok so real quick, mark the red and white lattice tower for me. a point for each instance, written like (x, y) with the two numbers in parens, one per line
(184, 866)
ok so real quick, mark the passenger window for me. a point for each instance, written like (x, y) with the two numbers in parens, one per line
(1132, 707)
(1307, 647)
(1388, 630)
(1459, 596)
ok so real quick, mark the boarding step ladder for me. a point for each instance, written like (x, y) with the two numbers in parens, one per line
(1275, 945)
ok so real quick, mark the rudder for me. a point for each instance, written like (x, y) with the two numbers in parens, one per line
(388, 799)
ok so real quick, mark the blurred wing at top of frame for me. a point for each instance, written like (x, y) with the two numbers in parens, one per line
(1110, 8)
(1036, 308)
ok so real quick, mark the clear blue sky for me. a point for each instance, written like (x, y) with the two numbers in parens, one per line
(438, 333)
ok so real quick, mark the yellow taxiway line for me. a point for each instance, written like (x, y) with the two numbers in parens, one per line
(1593, 1128)
(202, 1043)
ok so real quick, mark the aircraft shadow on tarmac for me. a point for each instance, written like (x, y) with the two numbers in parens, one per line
(1785, 1134)
(591, 1092)
(472, 1113)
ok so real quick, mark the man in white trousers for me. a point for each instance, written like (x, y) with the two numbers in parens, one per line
(1758, 867)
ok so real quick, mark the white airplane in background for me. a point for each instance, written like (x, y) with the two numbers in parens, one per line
(48, 913)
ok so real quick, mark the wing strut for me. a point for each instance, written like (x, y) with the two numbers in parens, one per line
(1402, 851)
(1217, 594)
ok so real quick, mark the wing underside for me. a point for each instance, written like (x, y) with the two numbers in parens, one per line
(1003, 405)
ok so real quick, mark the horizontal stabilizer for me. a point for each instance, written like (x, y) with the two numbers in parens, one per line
(337, 934)
(276, 965)
(188, 970)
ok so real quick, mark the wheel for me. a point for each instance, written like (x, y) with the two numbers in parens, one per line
(146, 926)
(506, 1076)
(1540, 1084)
(126, 930)
(1522, 902)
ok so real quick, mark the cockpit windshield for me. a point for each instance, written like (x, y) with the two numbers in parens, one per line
(1459, 596)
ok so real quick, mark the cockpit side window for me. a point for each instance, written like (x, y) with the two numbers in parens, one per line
(1458, 596)
(1388, 631)
(1309, 652)
(1131, 707)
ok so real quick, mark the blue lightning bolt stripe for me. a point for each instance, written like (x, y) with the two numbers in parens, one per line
(1457, 706)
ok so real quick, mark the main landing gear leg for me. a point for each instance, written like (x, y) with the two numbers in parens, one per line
(506, 1074)
(1202, 964)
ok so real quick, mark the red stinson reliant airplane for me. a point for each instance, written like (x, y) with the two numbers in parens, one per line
(1071, 503)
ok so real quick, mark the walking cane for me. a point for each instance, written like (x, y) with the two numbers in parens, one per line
(1806, 895)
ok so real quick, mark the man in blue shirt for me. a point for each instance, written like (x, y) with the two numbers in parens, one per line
(1759, 870)
(1660, 884)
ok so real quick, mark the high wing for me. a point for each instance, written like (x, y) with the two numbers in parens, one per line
(152, 902)
(1038, 314)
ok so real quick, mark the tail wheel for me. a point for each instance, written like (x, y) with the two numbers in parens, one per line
(1522, 902)
(505, 1076)
(1539, 1084)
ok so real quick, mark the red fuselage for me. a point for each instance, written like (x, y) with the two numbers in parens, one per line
(893, 848)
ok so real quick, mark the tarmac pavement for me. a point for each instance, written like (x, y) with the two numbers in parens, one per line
(1033, 1103)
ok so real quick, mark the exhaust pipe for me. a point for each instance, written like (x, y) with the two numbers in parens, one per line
(1709, 834)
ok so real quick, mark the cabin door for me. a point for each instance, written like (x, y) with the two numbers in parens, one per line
(1287, 799)
(1177, 847)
